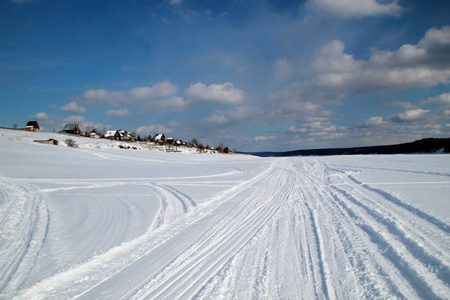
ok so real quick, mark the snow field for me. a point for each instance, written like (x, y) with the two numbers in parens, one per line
(100, 223)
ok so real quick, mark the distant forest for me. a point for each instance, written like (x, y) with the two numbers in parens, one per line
(428, 145)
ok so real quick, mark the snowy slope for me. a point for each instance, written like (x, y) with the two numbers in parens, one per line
(103, 223)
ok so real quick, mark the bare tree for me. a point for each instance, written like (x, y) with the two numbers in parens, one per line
(220, 148)
(71, 143)
(91, 129)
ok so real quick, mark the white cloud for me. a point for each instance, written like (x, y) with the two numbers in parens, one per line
(175, 2)
(175, 102)
(153, 129)
(355, 8)
(73, 119)
(314, 129)
(217, 118)
(431, 52)
(161, 89)
(282, 69)
(236, 116)
(300, 97)
(335, 75)
(73, 108)
(412, 115)
(265, 138)
(375, 121)
(117, 112)
(41, 116)
(411, 66)
(224, 93)
(443, 99)
(102, 95)
(331, 58)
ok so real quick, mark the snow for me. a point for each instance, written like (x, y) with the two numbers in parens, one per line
(98, 222)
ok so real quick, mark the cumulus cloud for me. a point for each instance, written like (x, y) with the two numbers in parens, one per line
(153, 129)
(161, 89)
(443, 99)
(375, 121)
(117, 112)
(74, 119)
(41, 116)
(224, 93)
(102, 95)
(265, 138)
(238, 115)
(73, 107)
(174, 102)
(355, 8)
(282, 69)
(217, 118)
(322, 130)
(411, 66)
(331, 58)
(300, 97)
(412, 115)
(431, 52)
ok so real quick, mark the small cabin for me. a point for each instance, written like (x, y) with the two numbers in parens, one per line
(160, 139)
(49, 142)
(32, 126)
(110, 134)
(72, 129)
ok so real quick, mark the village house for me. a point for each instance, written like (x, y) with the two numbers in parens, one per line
(122, 135)
(160, 139)
(110, 134)
(72, 129)
(32, 126)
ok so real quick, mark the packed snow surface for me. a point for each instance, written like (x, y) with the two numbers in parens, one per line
(97, 222)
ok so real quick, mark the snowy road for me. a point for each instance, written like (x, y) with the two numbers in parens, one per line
(183, 226)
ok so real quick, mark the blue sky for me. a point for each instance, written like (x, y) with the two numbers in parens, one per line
(255, 75)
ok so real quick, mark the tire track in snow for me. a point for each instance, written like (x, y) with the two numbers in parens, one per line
(419, 213)
(398, 244)
(143, 256)
(307, 238)
(286, 252)
(192, 269)
(24, 222)
(173, 204)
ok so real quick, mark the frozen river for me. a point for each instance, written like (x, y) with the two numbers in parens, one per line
(97, 223)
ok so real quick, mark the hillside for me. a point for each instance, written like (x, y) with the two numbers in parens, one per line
(429, 145)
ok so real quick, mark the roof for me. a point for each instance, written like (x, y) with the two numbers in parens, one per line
(33, 124)
(159, 136)
(70, 127)
(110, 133)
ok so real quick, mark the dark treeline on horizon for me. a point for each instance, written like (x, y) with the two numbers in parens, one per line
(428, 145)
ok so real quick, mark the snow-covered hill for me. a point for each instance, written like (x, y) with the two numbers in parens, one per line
(97, 222)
